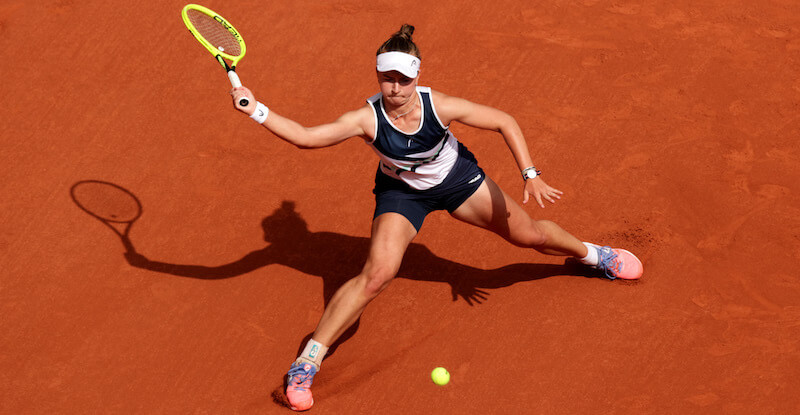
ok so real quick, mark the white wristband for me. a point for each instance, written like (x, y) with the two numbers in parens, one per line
(261, 113)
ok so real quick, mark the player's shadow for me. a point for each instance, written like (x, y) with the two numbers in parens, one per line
(336, 258)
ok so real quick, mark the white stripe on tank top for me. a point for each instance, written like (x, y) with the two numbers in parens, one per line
(421, 170)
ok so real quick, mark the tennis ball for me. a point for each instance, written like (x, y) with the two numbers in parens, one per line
(440, 376)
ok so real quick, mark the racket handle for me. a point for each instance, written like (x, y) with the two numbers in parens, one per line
(236, 83)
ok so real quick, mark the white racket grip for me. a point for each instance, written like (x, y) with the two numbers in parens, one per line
(236, 83)
(234, 78)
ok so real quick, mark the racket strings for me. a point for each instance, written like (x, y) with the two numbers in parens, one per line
(214, 33)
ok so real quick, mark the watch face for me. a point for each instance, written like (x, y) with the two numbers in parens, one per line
(530, 174)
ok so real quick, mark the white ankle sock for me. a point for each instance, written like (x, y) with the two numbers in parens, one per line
(592, 258)
(313, 353)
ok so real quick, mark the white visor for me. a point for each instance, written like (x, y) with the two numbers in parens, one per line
(404, 63)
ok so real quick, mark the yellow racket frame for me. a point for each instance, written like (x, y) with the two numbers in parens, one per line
(220, 56)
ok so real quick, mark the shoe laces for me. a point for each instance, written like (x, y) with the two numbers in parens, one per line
(609, 262)
(299, 378)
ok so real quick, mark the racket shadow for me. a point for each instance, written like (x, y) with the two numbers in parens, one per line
(113, 205)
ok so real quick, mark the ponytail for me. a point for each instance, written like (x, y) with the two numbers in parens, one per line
(401, 42)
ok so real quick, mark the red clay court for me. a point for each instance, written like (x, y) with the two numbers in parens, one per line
(671, 126)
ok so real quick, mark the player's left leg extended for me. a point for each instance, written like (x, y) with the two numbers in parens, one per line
(491, 208)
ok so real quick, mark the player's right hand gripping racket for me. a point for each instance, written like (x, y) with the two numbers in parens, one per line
(219, 37)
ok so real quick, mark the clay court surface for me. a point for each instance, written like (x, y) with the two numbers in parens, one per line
(671, 126)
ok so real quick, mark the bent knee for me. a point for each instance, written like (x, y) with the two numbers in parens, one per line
(376, 279)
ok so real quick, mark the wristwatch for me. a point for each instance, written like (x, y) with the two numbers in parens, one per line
(530, 173)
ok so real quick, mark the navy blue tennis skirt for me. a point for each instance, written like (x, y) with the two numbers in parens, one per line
(393, 195)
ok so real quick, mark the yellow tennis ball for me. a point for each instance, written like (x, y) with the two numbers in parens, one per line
(440, 376)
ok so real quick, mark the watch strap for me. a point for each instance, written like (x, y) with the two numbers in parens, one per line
(525, 173)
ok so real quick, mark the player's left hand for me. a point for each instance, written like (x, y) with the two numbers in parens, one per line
(540, 191)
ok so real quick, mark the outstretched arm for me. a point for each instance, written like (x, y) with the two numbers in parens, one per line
(351, 124)
(488, 118)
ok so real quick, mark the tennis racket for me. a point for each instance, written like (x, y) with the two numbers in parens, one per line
(109, 203)
(219, 37)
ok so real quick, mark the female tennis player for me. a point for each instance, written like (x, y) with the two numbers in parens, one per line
(423, 168)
